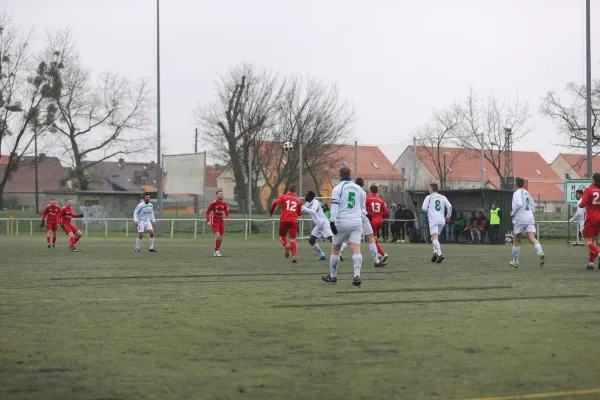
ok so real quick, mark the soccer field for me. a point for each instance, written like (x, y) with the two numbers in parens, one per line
(108, 323)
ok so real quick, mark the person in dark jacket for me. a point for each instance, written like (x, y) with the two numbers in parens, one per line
(450, 227)
(409, 217)
(400, 225)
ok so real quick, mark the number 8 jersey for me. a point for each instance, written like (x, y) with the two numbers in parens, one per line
(437, 207)
(522, 208)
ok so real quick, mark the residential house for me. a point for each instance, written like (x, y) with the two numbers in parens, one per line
(20, 192)
(464, 172)
(573, 166)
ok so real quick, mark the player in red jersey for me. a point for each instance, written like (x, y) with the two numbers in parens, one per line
(376, 212)
(214, 216)
(50, 215)
(591, 228)
(64, 220)
(291, 209)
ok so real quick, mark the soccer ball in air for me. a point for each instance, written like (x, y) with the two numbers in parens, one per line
(287, 146)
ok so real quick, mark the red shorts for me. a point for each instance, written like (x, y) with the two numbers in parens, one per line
(218, 228)
(288, 228)
(376, 225)
(591, 229)
(68, 228)
(52, 226)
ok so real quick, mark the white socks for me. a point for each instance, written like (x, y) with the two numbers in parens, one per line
(357, 260)
(138, 241)
(151, 243)
(333, 264)
(538, 249)
(317, 249)
(515, 254)
(437, 248)
(374, 252)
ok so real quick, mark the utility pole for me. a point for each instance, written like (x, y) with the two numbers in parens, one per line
(482, 161)
(300, 170)
(355, 159)
(159, 175)
(250, 182)
(588, 84)
(196, 205)
(37, 186)
(414, 182)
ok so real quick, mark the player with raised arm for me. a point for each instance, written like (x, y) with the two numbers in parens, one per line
(376, 212)
(523, 221)
(438, 210)
(214, 217)
(65, 216)
(291, 209)
(143, 215)
(347, 205)
(591, 227)
(367, 231)
(322, 228)
(50, 215)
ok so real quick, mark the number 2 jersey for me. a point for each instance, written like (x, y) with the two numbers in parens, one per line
(522, 208)
(437, 208)
(591, 202)
(291, 207)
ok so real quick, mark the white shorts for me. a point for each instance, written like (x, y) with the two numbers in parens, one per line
(322, 231)
(144, 226)
(524, 228)
(348, 231)
(367, 229)
(436, 228)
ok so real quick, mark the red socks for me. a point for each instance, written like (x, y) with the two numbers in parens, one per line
(72, 241)
(77, 239)
(379, 249)
(594, 252)
(53, 239)
(48, 239)
(283, 241)
(217, 244)
(293, 247)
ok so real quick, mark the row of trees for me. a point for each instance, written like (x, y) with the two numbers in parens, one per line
(256, 111)
(46, 93)
(478, 122)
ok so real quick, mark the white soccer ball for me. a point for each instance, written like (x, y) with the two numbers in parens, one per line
(287, 146)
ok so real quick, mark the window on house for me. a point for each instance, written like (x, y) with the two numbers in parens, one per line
(375, 165)
(403, 170)
(538, 171)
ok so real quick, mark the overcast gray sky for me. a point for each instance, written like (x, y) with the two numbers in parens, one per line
(395, 60)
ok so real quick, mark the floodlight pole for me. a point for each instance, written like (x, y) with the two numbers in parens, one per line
(300, 170)
(196, 203)
(159, 175)
(249, 182)
(588, 83)
(482, 161)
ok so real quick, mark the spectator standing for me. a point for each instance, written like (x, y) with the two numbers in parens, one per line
(495, 219)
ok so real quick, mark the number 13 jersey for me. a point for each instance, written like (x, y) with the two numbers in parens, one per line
(523, 206)
(591, 202)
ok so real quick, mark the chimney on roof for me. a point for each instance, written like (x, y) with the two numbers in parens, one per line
(121, 161)
(152, 164)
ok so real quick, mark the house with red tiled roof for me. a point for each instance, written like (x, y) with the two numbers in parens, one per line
(573, 166)
(463, 167)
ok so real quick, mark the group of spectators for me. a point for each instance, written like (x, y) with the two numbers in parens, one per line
(476, 228)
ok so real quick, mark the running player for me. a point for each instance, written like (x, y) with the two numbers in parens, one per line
(64, 220)
(321, 229)
(143, 215)
(376, 212)
(523, 221)
(438, 210)
(591, 228)
(291, 209)
(50, 215)
(214, 216)
(347, 205)
(367, 230)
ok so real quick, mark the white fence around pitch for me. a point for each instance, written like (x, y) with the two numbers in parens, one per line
(253, 227)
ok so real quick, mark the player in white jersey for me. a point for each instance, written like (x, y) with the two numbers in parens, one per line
(367, 230)
(523, 222)
(347, 203)
(579, 216)
(144, 218)
(322, 228)
(438, 210)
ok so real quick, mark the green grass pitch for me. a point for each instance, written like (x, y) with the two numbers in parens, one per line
(108, 323)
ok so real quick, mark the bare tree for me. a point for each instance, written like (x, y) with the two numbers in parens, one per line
(436, 135)
(238, 120)
(310, 115)
(487, 120)
(26, 83)
(571, 119)
(101, 120)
